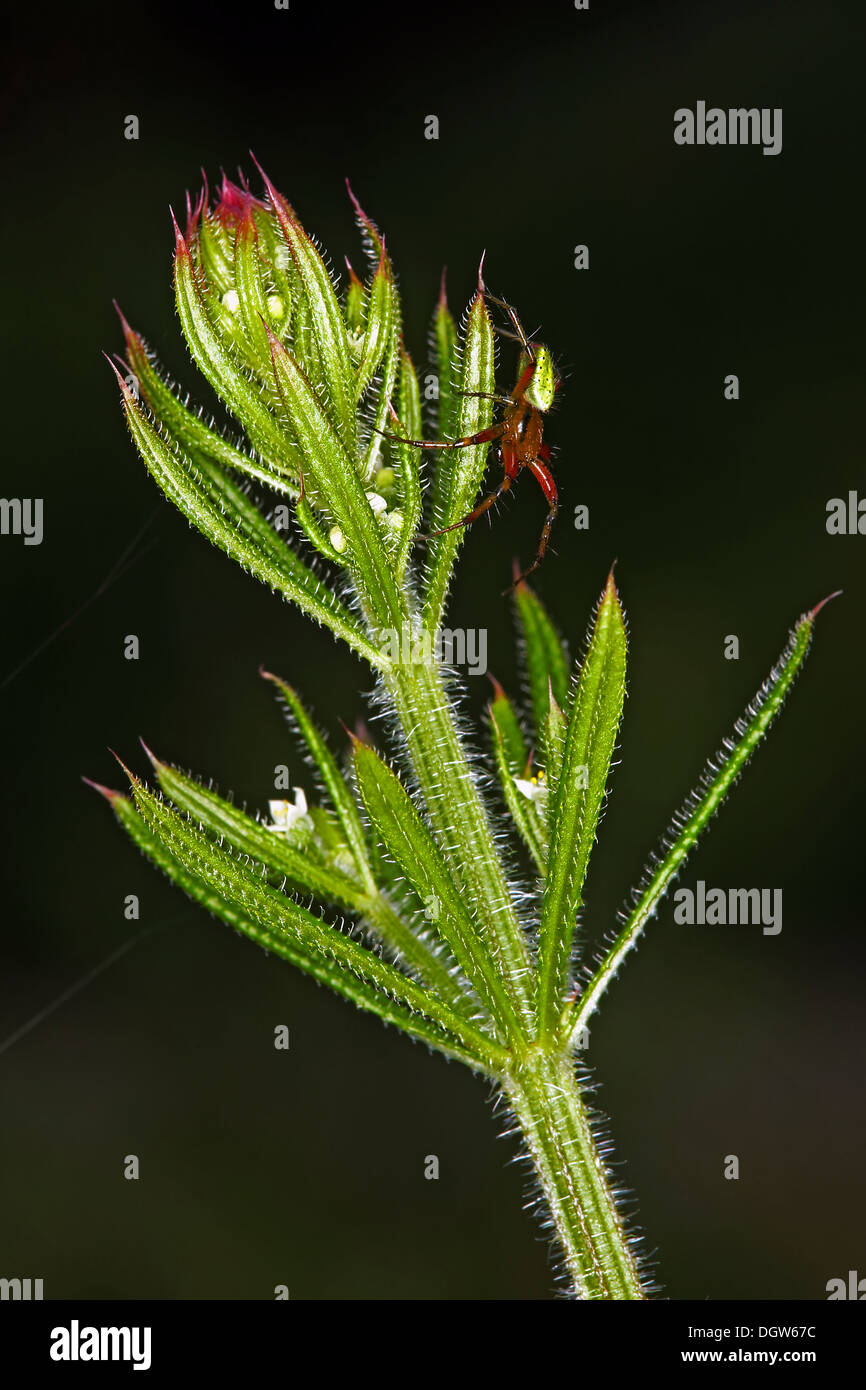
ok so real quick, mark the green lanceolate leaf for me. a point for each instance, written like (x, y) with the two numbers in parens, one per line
(717, 779)
(460, 471)
(445, 345)
(252, 299)
(519, 800)
(324, 881)
(190, 430)
(214, 254)
(305, 346)
(544, 655)
(328, 325)
(224, 514)
(514, 744)
(589, 743)
(413, 848)
(336, 481)
(218, 364)
(252, 906)
(445, 354)
(382, 337)
(279, 271)
(382, 313)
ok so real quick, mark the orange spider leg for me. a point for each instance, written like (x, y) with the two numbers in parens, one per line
(482, 437)
(512, 468)
(544, 478)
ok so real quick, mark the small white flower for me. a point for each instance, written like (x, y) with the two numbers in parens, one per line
(231, 301)
(534, 789)
(285, 814)
(337, 539)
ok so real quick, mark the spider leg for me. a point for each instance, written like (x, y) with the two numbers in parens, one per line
(485, 396)
(545, 480)
(482, 437)
(504, 333)
(512, 468)
(518, 326)
(478, 511)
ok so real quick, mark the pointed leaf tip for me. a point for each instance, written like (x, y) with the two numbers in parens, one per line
(481, 285)
(443, 296)
(280, 204)
(368, 224)
(155, 762)
(111, 796)
(127, 331)
(359, 211)
(121, 380)
(356, 741)
(813, 612)
(265, 179)
(181, 249)
(134, 781)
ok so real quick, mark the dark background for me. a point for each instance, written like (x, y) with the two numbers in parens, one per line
(306, 1167)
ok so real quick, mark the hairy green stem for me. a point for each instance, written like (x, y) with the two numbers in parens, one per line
(546, 1101)
(458, 817)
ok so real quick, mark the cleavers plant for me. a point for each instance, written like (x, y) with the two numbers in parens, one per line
(323, 502)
